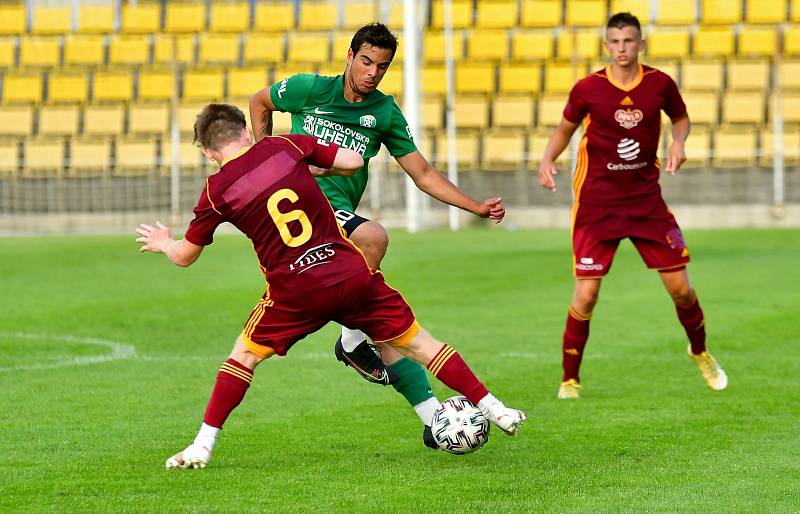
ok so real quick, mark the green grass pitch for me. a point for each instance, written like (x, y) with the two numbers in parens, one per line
(107, 358)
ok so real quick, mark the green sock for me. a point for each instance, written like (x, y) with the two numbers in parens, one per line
(413, 383)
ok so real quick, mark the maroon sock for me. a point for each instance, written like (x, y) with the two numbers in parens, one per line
(452, 371)
(576, 333)
(694, 323)
(232, 382)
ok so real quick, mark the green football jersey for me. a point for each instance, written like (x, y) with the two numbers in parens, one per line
(319, 108)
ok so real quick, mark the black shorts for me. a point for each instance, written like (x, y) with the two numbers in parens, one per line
(349, 221)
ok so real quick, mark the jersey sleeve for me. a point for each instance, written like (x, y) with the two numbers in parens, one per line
(290, 94)
(673, 102)
(206, 220)
(398, 138)
(576, 108)
(315, 151)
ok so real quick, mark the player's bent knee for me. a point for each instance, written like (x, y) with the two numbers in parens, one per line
(248, 353)
(372, 239)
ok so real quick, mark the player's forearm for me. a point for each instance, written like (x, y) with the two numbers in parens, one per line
(680, 130)
(260, 116)
(180, 252)
(435, 184)
(556, 145)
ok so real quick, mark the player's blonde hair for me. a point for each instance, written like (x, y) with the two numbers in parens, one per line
(218, 125)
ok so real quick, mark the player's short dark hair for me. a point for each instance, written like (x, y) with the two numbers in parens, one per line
(218, 125)
(374, 34)
(622, 20)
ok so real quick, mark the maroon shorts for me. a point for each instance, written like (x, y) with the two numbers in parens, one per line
(363, 301)
(649, 224)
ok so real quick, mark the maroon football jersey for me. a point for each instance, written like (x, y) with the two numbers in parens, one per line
(269, 194)
(617, 156)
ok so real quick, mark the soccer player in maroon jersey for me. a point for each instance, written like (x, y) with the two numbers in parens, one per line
(617, 194)
(314, 274)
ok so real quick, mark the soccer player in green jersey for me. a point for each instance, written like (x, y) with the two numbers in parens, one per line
(349, 110)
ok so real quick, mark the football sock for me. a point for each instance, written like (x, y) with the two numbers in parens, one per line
(232, 382)
(576, 333)
(413, 384)
(207, 436)
(694, 323)
(452, 371)
(425, 410)
(351, 339)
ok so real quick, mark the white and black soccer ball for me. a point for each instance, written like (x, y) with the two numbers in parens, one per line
(459, 427)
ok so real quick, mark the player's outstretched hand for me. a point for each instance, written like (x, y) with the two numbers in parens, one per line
(676, 156)
(493, 209)
(547, 170)
(152, 238)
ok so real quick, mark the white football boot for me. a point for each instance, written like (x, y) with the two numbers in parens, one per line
(194, 456)
(508, 420)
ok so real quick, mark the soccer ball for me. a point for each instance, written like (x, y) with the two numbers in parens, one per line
(459, 427)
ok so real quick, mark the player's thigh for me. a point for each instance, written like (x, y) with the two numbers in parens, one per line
(663, 250)
(592, 257)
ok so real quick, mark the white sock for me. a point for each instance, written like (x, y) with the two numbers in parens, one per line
(425, 410)
(488, 402)
(351, 339)
(207, 436)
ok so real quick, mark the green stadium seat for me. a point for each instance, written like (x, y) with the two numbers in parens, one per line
(471, 112)
(218, 48)
(748, 75)
(318, 16)
(244, 82)
(758, 41)
(16, 121)
(308, 48)
(701, 75)
(128, 50)
(703, 107)
(165, 51)
(713, 42)
(735, 147)
(229, 17)
(84, 50)
(667, 44)
(540, 13)
(488, 44)
(532, 46)
(89, 157)
(550, 109)
(263, 48)
(513, 111)
(765, 11)
(135, 157)
(462, 14)
(67, 87)
(22, 87)
(274, 17)
(584, 44)
(156, 84)
(103, 120)
(521, 78)
(743, 107)
(113, 86)
(9, 157)
(96, 19)
(359, 13)
(43, 157)
(8, 50)
(496, 14)
(503, 150)
(148, 119)
(39, 52)
(677, 12)
(586, 13)
(12, 19)
(182, 18)
(58, 120)
(141, 18)
(475, 78)
(639, 8)
(203, 85)
(434, 47)
(51, 20)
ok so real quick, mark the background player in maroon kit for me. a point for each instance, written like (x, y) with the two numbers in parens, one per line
(268, 192)
(617, 194)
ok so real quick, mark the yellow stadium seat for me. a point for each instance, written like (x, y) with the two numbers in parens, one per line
(333, 69)
(462, 14)
(274, 17)
(520, 78)
(586, 13)
(713, 42)
(318, 16)
(16, 121)
(748, 75)
(23, 87)
(128, 50)
(488, 44)
(84, 50)
(743, 107)
(308, 47)
(190, 157)
(537, 143)
(496, 14)
(474, 77)
(50, 20)
(532, 46)
(96, 19)
(89, 157)
(639, 8)
(283, 71)
(703, 108)
(471, 112)
(550, 110)
(203, 85)
(358, 14)
(261, 48)
(9, 157)
(433, 46)
(758, 41)
(677, 12)
(58, 120)
(181, 18)
(698, 147)
(668, 67)
(667, 44)
(701, 75)
(43, 157)
(396, 14)
(218, 48)
(244, 82)
(12, 19)
(135, 157)
(790, 143)
(113, 86)
(165, 48)
(795, 11)
(559, 77)
(789, 75)
(156, 85)
(141, 18)
(8, 49)
(434, 80)
(68, 88)
(467, 145)
(540, 13)
(503, 150)
(187, 115)
(229, 17)
(765, 11)
(150, 119)
(513, 111)
(38, 51)
(103, 120)
(720, 12)
(790, 108)
(791, 41)
(432, 113)
(341, 43)
(735, 147)
(392, 83)
(584, 44)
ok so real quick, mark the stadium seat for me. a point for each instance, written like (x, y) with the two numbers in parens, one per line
(58, 120)
(190, 160)
(396, 16)
(112, 86)
(475, 78)
(462, 14)
(434, 48)
(586, 13)
(148, 119)
(25, 87)
(16, 121)
(532, 45)
(720, 12)
(713, 42)
(51, 20)
(432, 113)
(434, 80)
(735, 147)
(318, 16)
(274, 17)
(187, 114)
(701, 75)
(467, 147)
(333, 69)
(559, 77)
(550, 110)
(9, 157)
(488, 44)
(677, 12)
(283, 71)
(12, 19)
(340, 45)
(748, 75)
(359, 13)
(639, 8)
(181, 18)
(765, 11)
(583, 44)
(537, 143)
(791, 41)
(758, 41)
(540, 13)
(496, 14)
(218, 48)
(128, 50)
(141, 18)
(65, 87)
(135, 157)
(703, 107)
(503, 150)
(8, 50)
(89, 156)
(790, 143)
(698, 147)
(669, 67)
(84, 50)
(789, 75)
(743, 107)
(203, 85)
(795, 11)
(520, 78)
(261, 48)
(103, 120)
(156, 84)
(229, 17)
(308, 48)
(790, 108)
(392, 83)
(43, 157)
(513, 111)
(165, 51)
(667, 44)
(39, 52)
(471, 112)
(96, 19)
(244, 82)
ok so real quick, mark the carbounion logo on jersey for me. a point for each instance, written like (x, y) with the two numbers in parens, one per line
(628, 149)
(367, 121)
(628, 118)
